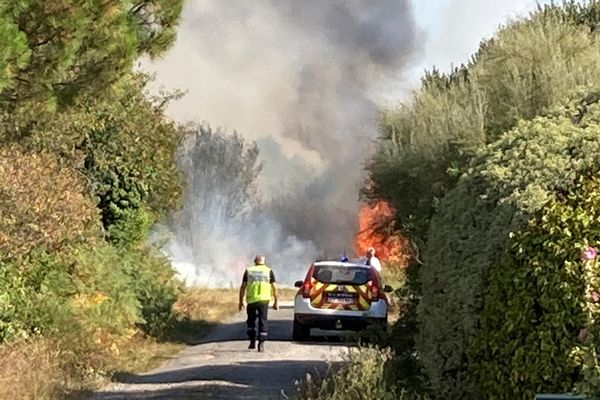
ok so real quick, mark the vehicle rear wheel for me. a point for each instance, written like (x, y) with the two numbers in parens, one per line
(300, 332)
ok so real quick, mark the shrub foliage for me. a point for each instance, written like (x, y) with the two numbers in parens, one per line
(511, 180)
(40, 212)
(535, 310)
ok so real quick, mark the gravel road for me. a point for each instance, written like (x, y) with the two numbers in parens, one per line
(222, 367)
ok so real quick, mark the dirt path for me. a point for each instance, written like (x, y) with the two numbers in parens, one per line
(221, 367)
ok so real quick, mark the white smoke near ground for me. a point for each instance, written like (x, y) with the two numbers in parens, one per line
(223, 223)
(299, 78)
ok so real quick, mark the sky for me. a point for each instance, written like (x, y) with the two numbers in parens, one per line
(454, 28)
(451, 33)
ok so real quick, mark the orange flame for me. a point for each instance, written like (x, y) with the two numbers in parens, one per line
(377, 230)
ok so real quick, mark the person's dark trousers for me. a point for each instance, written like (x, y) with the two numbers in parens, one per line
(258, 310)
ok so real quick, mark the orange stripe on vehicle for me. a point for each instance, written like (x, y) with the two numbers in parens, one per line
(366, 294)
(316, 293)
(363, 304)
(318, 299)
(364, 297)
(319, 290)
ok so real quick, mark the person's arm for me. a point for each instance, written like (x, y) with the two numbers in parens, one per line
(243, 291)
(274, 292)
(275, 301)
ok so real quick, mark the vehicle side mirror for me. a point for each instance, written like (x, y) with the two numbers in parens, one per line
(298, 284)
(388, 289)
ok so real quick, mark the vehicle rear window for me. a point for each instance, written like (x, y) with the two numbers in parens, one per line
(342, 275)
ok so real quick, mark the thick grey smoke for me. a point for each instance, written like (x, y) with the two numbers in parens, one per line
(301, 78)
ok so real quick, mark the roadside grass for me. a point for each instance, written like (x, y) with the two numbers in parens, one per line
(287, 293)
(30, 370)
(48, 369)
(361, 376)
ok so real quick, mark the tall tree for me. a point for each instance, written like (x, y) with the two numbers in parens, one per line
(53, 50)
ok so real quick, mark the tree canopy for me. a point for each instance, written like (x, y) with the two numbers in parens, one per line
(54, 50)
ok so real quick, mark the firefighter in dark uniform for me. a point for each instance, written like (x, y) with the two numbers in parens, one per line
(258, 285)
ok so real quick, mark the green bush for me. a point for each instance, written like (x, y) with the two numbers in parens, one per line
(34, 297)
(461, 184)
(509, 181)
(137, 284)
(87, 292)
(535, 303)
(129, 157)
(405, 368)
(361, 377)
(103, 292)
(87, 165)
(531, 65)
(155, 287)
(105, 298)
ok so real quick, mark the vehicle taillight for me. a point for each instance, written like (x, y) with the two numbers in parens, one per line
(307, 285)
(375, 286)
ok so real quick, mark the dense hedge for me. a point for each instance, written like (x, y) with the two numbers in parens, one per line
(535, 304)
(509, 181)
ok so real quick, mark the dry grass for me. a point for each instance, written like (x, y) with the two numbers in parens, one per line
(211, 305)
(40, 369)
(207, 304)
(143, 354)
(200, 309)
(29, 370)
(287, 294)
(393, 275)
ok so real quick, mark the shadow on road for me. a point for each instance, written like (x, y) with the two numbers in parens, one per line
(279, 330)
(246, 380)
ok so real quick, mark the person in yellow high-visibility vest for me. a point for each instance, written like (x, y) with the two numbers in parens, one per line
(258, 286)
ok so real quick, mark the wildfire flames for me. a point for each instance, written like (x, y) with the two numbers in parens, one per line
(377, 230)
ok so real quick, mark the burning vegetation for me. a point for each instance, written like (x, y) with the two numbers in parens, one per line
(377, 229)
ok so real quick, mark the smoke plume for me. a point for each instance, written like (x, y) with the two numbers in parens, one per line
(302, 78)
